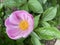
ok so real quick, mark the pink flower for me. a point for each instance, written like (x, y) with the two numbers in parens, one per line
(19, 24)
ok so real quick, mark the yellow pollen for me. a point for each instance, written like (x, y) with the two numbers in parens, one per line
(23, 25)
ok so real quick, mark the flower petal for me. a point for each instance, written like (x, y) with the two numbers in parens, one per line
(8, 24)
(22, 14)
(14, 33)
(14, 19)
(30, 20)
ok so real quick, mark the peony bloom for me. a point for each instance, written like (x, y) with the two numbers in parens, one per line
(19, 24)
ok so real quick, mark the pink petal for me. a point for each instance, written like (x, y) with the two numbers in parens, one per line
(14, 33)
(22, 14)
(8, 24)
(14, 19)
(30, 20)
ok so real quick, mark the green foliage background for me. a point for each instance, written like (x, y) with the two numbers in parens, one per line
(46, 20)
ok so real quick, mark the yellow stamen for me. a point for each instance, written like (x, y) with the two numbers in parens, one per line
(23, 25)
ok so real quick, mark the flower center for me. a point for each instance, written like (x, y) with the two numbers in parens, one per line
(23, 25)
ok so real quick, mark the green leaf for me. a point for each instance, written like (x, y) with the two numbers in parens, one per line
(35, 35)
(36, 20)
(25, 7)
(1, 5)
(49, 14)
(42, 1)
(48, 33)
(9, 3)
(57, 19)
(35, 6)
(45, 24)
(14, 3)
(20, 2)
(35, 40)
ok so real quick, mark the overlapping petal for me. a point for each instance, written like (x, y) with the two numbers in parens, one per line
(14, 33)
(8, 24)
